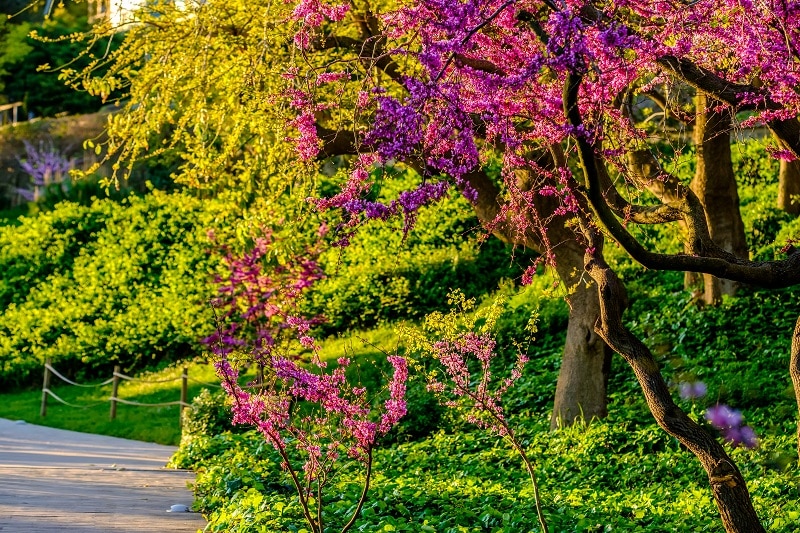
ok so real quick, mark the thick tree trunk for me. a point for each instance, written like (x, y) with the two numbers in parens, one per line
(727, 484)
(582, 379)
(794, 371)
(585, 364)
(789, 187)
(715, 185)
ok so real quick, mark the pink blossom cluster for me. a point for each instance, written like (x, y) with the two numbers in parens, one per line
(463, 359)
(489, 78)
(259, 301)
(340, 415)
(261, 304)
(311, 14)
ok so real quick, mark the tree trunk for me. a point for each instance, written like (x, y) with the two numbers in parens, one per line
(586, 361)
(727, 484)
(582, 379)
(789, 187)
(715, 185)
(794, 371)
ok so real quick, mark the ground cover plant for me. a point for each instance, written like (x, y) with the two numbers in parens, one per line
(595, 478)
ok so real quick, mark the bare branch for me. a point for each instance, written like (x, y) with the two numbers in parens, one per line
(672, 110)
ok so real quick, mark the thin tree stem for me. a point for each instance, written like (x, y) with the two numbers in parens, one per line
(299, 488)
(536, 498)
(319, 503)
(363, 497)
(520, 450)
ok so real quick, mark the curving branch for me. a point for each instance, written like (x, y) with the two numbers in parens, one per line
(638, 214)
(705, 257)
(787, 130)
(662, 102)
(370, 50)
(727, 483)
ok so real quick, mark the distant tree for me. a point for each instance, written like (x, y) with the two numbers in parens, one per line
(29, 66)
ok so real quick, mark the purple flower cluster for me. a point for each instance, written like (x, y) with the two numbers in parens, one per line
(260, 303)
(44, 164)
(730, 423)
(396, 131)
(693, 390)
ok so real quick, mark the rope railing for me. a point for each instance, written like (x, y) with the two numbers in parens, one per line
(217, 385)
(162, 404)
(57, 398)
(53, 371)
(140, 380)
(114, 381)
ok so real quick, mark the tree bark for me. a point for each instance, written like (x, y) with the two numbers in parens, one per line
(586, 361)
(727, 484)
(583, 377)
(789, 187)
(715, 185)
(794, 371)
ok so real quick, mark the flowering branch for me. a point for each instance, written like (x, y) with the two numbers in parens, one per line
(473, 390)
(302, 411)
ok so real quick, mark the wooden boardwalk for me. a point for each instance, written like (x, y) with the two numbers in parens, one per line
(54, 481)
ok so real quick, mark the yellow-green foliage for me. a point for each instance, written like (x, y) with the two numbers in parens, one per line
(112, 282)
(202, 80)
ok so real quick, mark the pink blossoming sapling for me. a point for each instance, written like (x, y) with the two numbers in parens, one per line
(312, 418)
(478, 396)
(467, 375)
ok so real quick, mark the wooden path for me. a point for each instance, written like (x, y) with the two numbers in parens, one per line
(54, 481)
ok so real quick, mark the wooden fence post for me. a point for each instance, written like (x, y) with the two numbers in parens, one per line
(184, 393)
(114, 389)
(45, 388)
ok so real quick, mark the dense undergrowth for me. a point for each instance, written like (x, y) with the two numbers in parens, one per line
(623, 473)
(129, 280)
(619, 474)
(114, 282)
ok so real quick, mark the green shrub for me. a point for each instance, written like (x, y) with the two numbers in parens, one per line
(209, 414)
(112, 283)
(385, 276)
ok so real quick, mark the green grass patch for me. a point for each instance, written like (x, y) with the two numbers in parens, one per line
(151, 424)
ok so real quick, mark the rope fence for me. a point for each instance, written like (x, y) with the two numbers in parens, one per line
(115, 380)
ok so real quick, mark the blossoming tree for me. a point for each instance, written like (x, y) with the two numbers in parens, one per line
(550, 91)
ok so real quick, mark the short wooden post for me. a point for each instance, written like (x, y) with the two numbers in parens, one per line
(45, 388)
(184, 394)
(114, 389)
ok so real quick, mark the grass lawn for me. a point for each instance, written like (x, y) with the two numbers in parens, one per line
(152, 424)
